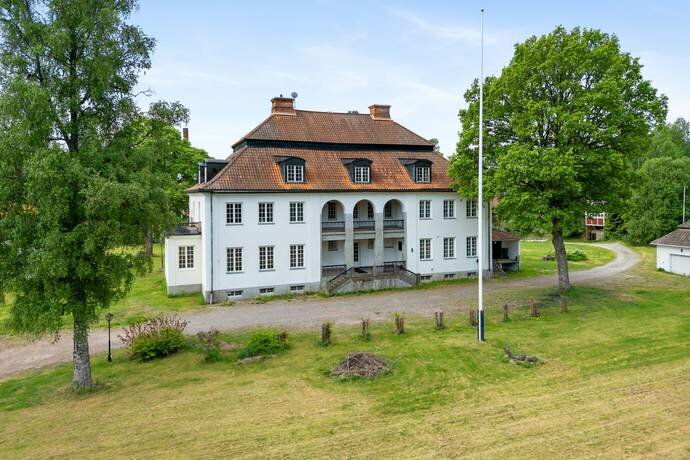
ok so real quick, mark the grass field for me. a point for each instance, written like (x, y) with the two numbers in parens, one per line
(614, 383)
(533, 264)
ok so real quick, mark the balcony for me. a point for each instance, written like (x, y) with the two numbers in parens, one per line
(394, 224)
(332, 226)
(364, 225)
(191, 228)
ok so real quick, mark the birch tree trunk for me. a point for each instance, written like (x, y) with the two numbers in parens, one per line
(81, 376)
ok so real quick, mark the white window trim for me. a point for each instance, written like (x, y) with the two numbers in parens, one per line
(428, 208)
(268, 204)
(241, 258)
(297, 204)
(467, 240)
(334, 205)
(271, 258)
(425, 175)
(431, 251)
(362, 174)
(296, 246)
(235, 204)
(452, 203)
(454, 248)
(296, 171)
(186, 258)
(467, 209)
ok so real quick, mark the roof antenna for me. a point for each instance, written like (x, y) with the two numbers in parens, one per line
(294, 98)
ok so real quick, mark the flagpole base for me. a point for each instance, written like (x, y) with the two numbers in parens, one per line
(480, 327)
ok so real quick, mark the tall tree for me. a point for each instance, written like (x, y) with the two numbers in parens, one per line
(76, 189)
(656, 205)
(563, 121)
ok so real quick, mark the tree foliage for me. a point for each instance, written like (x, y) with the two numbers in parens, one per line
(563, 122)
(77, 184)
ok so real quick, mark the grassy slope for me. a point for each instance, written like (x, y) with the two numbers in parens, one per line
(532, 253)
(614, 384)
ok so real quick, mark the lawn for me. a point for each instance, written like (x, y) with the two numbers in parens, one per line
(533, 264)
(613, 383)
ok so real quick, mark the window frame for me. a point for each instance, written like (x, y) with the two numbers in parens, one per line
(449, 248)
(267, 212)
(296, 210)
(237, 259)
(425, 253)
(471, 209)
(361, 174)
(297, 256)
(424, 177)
(266, 258)
(231, 215)
(448, 206)
(388, 210)
(297, 173)
(332, 205)
(328, 245)
(471, 247)
(185, 256)
(427, 207)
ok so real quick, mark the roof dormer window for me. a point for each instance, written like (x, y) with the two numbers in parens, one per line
(294, 173)
(292, 168)
(362, 174)
(422, 174)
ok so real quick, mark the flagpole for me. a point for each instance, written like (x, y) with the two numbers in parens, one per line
(480, 200)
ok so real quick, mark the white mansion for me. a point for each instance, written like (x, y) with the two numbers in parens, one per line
(321, 200)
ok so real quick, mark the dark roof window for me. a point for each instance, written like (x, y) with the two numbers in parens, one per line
(293, 169)
(359, 169)
(418, 169)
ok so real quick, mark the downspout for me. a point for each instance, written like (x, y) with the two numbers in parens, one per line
(210, 296)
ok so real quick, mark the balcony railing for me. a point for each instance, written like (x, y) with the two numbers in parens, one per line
(332, 226)
(364, 225)
(332, 270)
(393, 224)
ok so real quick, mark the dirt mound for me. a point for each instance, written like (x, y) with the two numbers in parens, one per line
(361, 364)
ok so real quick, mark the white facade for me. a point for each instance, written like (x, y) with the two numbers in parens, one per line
(673, 259)
(347, 239)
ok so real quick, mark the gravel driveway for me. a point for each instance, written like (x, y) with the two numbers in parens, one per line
(17, 356)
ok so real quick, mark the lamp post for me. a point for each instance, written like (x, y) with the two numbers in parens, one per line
(109, 318)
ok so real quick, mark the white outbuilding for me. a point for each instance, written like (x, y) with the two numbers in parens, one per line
(673, 250)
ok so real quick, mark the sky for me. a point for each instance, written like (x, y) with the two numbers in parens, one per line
(225, 60)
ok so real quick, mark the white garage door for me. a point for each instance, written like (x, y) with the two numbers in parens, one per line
(680, 264)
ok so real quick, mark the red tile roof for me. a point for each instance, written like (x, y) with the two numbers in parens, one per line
(255, 169)
(500, 235)
(332, 127)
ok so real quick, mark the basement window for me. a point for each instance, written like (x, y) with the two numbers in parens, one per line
(297, 288)
(234, 294)
(449, 276)
(425, 277)
(266, 291)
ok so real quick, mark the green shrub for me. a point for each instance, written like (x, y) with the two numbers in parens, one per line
(577, 255)
(157, 344)
(208, 341)
(263, 343)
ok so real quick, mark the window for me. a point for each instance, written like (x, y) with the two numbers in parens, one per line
(425, 209)
(265, 213)
(388, 211)
(425, 277)
(425, 249)
(423, 174)
(233, 213)
(362, 174)
(235, 293)
(471, 246)
(449, 276)
(294, 173)
(332, 245)
(370, 244)
(233, 257)
(297, 211)
(449, 209)
(449, 248)
(355, 251)
(297, 288)
(400, 246)
(370, 211)
(296, 256)
(186, 257)
(264, 291)
(332, 210)
(355, 212)
(265, 257)
(471, 206)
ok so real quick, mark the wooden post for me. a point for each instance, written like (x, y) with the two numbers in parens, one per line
(505, 313)
(439, 320)
(326, 333)
(473, 317)
(399, 324)
(534, 308)
(365, 329)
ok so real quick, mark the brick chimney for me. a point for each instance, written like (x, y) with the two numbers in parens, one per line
(185, 133)
(283, 106)
(380, 112)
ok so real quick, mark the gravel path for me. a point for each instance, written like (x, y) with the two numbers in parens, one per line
(17, 356)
